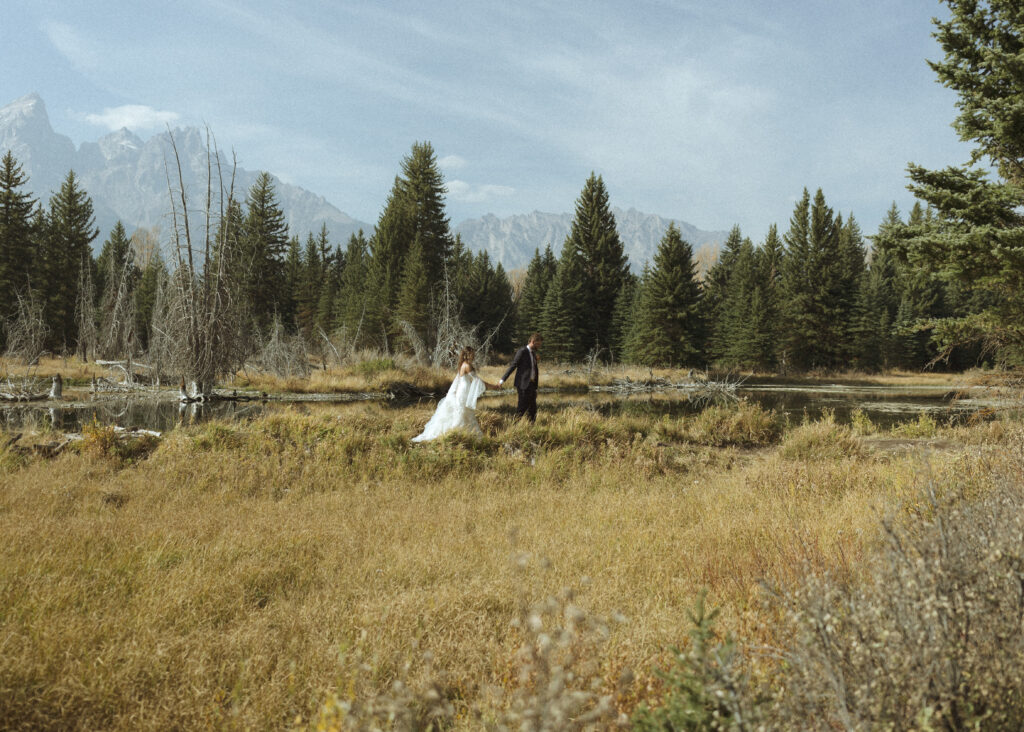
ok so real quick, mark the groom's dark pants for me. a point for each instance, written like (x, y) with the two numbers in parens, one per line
(527, 402)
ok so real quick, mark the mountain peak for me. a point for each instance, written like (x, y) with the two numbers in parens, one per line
(28, 107)
(126, 176)
(119, 143)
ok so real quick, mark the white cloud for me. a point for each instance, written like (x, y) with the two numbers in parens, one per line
(464, 192)
(132, 116)
(452, 162)
(75, 47)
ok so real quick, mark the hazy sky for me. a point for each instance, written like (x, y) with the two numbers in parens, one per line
(711, 112)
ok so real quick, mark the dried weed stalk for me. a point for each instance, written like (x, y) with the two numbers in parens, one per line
(933, 639)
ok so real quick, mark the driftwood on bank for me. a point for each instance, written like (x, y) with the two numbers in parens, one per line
(23, 394)
(404, 392)
(699, 388)
(54, 448)
(43, 449)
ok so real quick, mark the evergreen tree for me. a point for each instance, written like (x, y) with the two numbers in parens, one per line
(850, 279)
(115, 261)
(978, 238)
(594, 250)
(153, 274)
(530, 307)
(288, 304)
(879, 300)
(501, 313)
(264, 246)
(412, 311)
(311, 281)
(16, 250)
(422, 188)
(67, 256)
(769, 332)
(559, 317)
(819, 286)
(485, 294)
(565, 304)
(716, 288)
(414, 211)
(388, 248)
(737, 328)
(624, 318)
(350, 308)
(117, 277)
(667, 326)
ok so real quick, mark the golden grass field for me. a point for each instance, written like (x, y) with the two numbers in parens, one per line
(239, 575)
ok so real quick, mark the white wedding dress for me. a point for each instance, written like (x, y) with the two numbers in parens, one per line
(457, 410)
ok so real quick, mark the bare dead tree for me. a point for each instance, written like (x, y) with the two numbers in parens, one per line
(117, 313)
(85, 313)
(451, 333)
(201, 326)
(27, 330)
(282, 354)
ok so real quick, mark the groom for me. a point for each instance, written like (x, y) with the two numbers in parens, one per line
(526, 364)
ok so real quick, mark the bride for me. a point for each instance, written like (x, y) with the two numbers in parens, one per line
(456, 410)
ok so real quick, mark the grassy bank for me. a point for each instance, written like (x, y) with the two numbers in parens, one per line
(240, 574)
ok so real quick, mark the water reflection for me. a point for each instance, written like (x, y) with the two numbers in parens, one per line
(884, 405)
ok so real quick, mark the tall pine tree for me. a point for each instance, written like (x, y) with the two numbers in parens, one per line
(716, 289)
(264, 248)
(594, 251)
(66, 258)
(978, 239)
(666, 328)
(16, 251)
(530, 307)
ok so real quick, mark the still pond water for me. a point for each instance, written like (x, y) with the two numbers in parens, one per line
(885, 405)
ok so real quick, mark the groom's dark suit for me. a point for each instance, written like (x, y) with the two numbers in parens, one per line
(525, 364)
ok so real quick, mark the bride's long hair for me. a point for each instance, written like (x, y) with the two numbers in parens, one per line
(464, 355)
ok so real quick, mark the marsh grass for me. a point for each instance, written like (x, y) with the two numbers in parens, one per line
(245, 573)
(821, 439)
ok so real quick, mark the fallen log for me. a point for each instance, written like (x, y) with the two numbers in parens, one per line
(196, 395)
(56, 392)
(699, 388)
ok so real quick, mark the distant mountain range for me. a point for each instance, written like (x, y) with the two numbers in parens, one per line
(512, 240)
(126, 179)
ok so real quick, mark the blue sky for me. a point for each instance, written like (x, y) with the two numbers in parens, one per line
(717, 113)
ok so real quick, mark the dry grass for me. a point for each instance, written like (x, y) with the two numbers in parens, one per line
(243, 574)
(73, 370)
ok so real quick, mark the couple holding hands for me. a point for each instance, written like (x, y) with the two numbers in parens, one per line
(457, 409)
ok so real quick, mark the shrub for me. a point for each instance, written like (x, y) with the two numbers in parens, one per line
(924, 426)
(104, 441)
(707, 688)
(557, 682)
(928, 637)
(861, 424)
(932, 639)
(374, 366)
